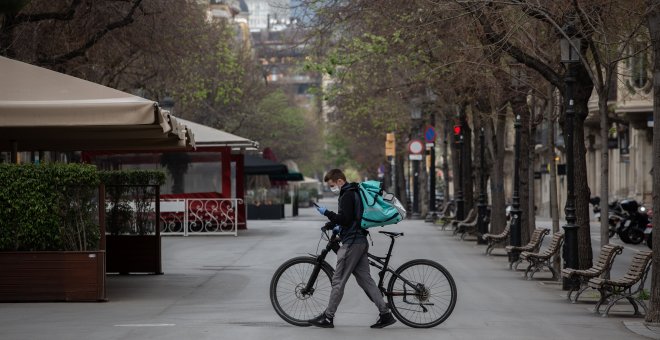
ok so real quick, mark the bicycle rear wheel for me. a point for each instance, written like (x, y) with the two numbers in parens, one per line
(287, 290)
(427, 299)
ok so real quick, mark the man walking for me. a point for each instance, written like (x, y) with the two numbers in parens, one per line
(352, 255)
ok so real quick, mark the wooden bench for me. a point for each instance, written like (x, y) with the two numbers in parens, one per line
(471, 215)
(607, 254)
(533, 246)
(471, 219)
(622, 288)
(447, 215)
(468, 228)
(495, 239)
(543, 259)
(445, 211)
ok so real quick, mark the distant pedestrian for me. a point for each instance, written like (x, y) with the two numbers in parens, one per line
(352, 255)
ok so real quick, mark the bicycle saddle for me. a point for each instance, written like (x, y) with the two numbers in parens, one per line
(391, 234)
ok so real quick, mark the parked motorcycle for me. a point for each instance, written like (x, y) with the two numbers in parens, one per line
(631, 228)
(616, 214)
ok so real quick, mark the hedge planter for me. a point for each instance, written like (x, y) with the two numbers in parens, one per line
(133, 254)
(52, 276)
(265, 212)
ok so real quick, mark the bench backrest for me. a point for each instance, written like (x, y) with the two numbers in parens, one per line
(537, 237)
(638, 266)
(555, 245)
(448, 208)
(607, 254)
(507, 229)
(471, 215)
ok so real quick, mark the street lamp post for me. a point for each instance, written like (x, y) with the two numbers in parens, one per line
(570, 56)
(482, 226)
(416, 116)
(515, 206)
(431, 97)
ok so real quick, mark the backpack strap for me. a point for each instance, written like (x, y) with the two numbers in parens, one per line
(358, 213)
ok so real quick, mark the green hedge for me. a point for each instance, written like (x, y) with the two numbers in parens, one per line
(129, 198)
(54, 206)
(48, 207)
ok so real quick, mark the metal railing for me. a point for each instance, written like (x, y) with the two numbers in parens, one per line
(199, 216)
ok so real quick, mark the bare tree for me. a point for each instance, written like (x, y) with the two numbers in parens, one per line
(502, 34)
(653, 22)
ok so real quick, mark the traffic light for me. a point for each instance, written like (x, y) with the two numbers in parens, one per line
(458, 133)
(390, 146)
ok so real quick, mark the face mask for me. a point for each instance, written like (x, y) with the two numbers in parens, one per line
(335, 189)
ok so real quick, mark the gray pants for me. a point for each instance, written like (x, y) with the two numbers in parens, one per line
(352, 259)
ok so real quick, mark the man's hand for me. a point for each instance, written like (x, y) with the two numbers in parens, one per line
(328, 226)
(321, 209)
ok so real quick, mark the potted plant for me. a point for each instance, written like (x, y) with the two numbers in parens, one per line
(133, 232)
(50, 237)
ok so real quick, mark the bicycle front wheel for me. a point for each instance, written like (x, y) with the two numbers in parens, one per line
(287, 290)
(422, 294)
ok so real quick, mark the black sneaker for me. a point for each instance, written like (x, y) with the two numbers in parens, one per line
(384, 320)
(322, 321)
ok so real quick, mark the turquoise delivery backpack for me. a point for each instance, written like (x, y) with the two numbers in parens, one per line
(379, 207)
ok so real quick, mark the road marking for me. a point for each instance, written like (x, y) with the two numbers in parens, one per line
(147, 325)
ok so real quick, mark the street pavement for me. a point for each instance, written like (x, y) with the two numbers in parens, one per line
(217, 288)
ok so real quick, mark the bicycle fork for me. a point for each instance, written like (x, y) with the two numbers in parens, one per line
(309, 288)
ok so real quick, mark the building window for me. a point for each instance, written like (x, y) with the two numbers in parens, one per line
(624, 139)
(638, 68)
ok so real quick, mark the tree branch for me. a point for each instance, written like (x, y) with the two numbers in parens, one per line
(498, 39)
(125, 21)
(66, 14)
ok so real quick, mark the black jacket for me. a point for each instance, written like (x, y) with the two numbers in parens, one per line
(348, 216)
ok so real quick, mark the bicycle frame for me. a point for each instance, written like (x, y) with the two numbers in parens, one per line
(382, 263)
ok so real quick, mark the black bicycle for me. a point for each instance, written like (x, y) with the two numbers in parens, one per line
(421, 293)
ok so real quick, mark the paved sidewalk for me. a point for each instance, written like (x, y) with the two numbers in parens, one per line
(217, 288)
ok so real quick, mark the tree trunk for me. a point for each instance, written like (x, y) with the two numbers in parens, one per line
(532, 157)
(423, 187)
(468, 173)
(554, 204)
(519, 106)
(445, 160)
(454, 170)
(653, 16)
(401, 178)
(479, 123)
(498, 152)
(605, 170)
(584, 88)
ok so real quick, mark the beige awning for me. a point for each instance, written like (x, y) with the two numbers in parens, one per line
(45, 110)
(210, 137)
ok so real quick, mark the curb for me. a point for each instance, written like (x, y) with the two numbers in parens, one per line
(643, 329)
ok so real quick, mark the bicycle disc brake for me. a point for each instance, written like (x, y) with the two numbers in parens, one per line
(421, 294)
